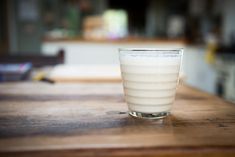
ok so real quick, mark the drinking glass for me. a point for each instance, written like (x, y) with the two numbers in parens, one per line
(150, 77)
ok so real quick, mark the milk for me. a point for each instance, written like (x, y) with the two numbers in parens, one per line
(150, 81)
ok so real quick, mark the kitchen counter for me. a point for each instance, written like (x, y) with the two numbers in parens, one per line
(91, 119)
(118, 41)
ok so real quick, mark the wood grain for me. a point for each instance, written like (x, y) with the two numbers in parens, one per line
(88, 119)
(120, 41)
(85, 80)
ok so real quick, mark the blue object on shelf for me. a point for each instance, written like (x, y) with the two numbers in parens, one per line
(15, 72)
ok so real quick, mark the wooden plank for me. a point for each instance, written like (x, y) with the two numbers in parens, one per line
(91, 119)
(81, 73)
(119, 41)
(85, 80)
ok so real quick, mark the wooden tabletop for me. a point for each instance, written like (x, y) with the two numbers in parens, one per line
(40, 119)
(128, 40)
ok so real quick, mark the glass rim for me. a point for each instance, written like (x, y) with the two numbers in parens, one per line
(150, 49)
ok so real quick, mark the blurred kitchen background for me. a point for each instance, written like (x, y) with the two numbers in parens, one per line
(78, 40)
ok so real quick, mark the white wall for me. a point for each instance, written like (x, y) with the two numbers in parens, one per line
(96, 53)
(198, 72)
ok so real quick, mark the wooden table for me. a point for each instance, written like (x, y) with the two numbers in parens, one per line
(39, 119)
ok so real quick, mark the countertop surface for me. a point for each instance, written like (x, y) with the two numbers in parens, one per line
(91, 119)
(122, 41)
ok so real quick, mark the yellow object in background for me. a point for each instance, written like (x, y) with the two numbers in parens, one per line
(39, 76)
(42, 76)
(212, 43)
(211, 53)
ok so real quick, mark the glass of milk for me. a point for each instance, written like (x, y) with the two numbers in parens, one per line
(150, 77)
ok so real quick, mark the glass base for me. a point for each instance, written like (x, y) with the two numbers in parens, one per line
(157, 115)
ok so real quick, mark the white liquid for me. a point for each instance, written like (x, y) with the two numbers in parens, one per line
(150, 82)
